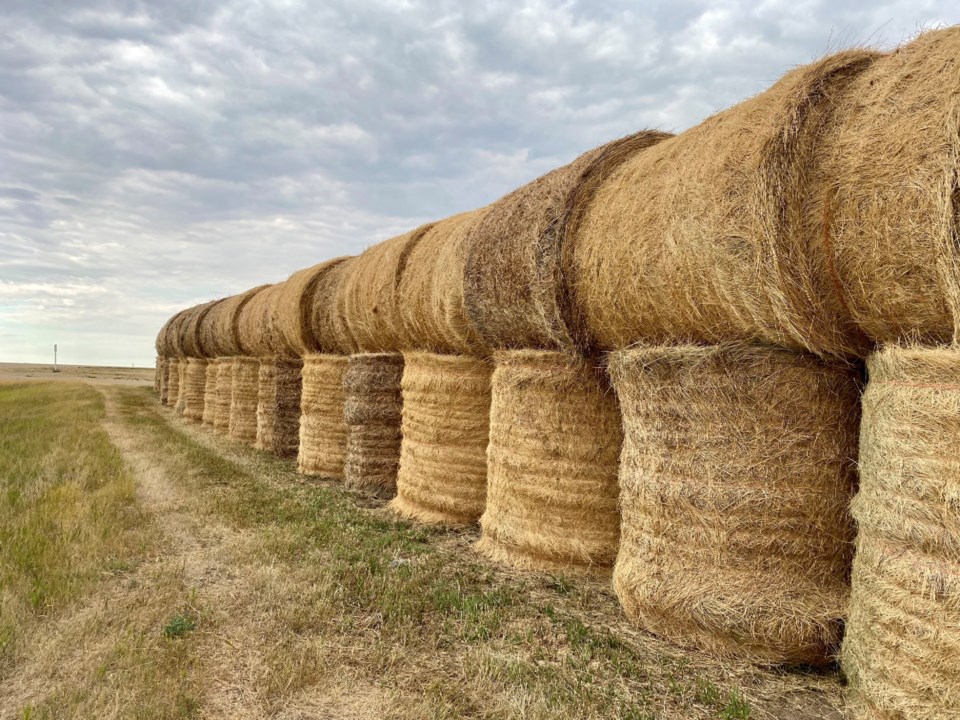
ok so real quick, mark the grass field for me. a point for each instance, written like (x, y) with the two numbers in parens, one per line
(152, 569)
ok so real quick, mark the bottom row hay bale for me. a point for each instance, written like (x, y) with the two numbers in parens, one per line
(244, 396)
(901, 653)
(446, 428)
(552, 464)
(221, 417)
(194, 386)
(173, 382)
(323, 432)
(372, 405)
(278, 406)
(210, 392)
(737, 469)
(163, 371)
(181, 403)
(158, 373)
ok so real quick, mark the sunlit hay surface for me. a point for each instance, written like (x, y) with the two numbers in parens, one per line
(902, 643)
(244, 396)
(372, 404)
(446, 428)
(210, 392)
(173, 382)
(328, 321)
(219, 331)
(221, 417)
(737, 470)
(257, 333)
(701, 237)
(891, 162)
(552, 464)
(194, 388)
(278, 406)
(292, 312)
(323, 431)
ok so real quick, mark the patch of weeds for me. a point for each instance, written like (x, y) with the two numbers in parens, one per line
(737, 707)
(560, 583)
(179, 625)
(729, 706)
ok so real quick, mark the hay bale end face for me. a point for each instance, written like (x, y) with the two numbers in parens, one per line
(210, 392)
(552, 464)
(221, 417)
(446, 429)
(244, 396)
(278, 406)
(903, 634)
(372, 408)
(737, 469)
(194, 388)
(323, 431)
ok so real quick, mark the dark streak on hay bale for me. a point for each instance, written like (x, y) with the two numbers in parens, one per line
(278, 406)
(552, 464)
(430, 294)
(292, 320)
(890, 205)
(738, 466)
(323, 432)
(903, 636)
(368, 297)
(219, 332)
(221, 415)
(701, 238)
(194, 387)
(244, 392)
(372, 406)
(446, 428)
(513, 272)
(210, 392)
(173, 382)
(328, 320)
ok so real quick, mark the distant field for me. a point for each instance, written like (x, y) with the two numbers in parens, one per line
(150, 568)
(89, 373)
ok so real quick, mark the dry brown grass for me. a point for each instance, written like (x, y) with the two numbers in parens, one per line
(737, 470)
(323, 430)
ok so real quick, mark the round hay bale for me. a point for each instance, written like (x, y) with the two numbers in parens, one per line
(173, 382)
(291, 317)
(323, 432)
(368, 295)
(430, 293)
(446, 429)
(328, 321)
(244, 396)
(219, 332)
(888, 212)
(257, 333)
(181, 403)
(903, 633)
(160, 380)
(372, 411)
(190, 342)
(701, 238)
(278, 407)
(737, 469)
(158, 364)
(175, 333)
(164, 341)
(552, 464)
(210, 392)
(194, 388)
(221, 414)
(512, 273)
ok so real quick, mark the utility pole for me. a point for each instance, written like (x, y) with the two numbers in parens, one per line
(55, 358)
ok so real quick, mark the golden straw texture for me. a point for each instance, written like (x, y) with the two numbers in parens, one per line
(291, 316)
(244, 394)
(194, 385)
(901, 653)
(210, 392)
(221, 416)
(219, 332)
(552, 464)
(323, 432)
(328, 321)
(737, 470)
(278, 406)
(163, 378)
(173, 382)
(446, 428)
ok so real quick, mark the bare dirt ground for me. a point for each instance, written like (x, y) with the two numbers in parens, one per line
(94, 374)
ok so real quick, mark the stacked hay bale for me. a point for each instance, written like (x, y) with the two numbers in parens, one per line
(738, 465)
(193, 382)
(705, 236)
(903, 634)
(210, 392)
(224, 395)
(177, 364)
(159, 370)
(552, 464)
(244, 395)
(165, 351)
(257, 337)
(278, 406)
(173, 381)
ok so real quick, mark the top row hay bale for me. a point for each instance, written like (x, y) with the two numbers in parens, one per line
(888, 212)
(256, 332)
(190, 343)
(367, 298)
(327, 325)
(701, 238)
(291, 319)
(175, 332)
(219, 331)
(430, 294)
(512, 271)
(164, 337)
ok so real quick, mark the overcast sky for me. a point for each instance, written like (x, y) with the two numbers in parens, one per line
(158, 154)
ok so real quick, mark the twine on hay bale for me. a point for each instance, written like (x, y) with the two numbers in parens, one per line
(210, 392)
(323, 432)
(221, 416)
(173, 382)
(446, 428)
(278, 406)
(512, 272)
(430, 293)
(194, 388)
(372, 403)
(902, 643)
(552, 464)
(702, 237)
(367, 299)
(737, 469)
(888, 213)
(328, 322)
(244, 395)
